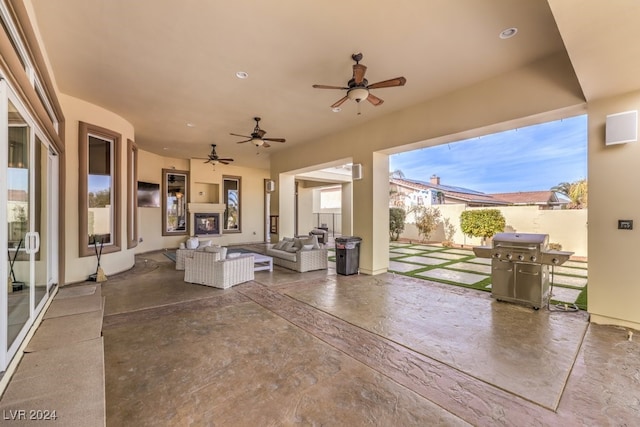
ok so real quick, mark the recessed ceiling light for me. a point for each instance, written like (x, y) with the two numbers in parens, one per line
(508, 33)
(165, 148)
(336, 109)
(242, 75)
(191, 125)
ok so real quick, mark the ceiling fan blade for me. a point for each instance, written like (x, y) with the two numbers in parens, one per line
(225, 160)
(329, 87)
(265, 144)
(339, 102)
(358, 73)
(208, 161)
(243, 136)
(398, 81)
(274, 139)
(374, 100)
(260, 133)
(241, 142)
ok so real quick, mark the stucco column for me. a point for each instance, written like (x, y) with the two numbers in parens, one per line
(346, 220)
(371, 213)
(286, 200)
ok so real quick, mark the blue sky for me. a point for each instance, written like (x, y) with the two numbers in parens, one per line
(525, 159)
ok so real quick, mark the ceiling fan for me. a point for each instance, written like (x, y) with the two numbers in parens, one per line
(257, 136)
(214, 158)
(358, 88)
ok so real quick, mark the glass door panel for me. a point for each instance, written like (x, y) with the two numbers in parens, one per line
(18, 222)
(41, 191)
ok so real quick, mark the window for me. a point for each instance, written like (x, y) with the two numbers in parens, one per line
(175, 194)
(132, 194)
(99, 181)
(231, 194)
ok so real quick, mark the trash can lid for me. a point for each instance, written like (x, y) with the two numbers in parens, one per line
(348, 239)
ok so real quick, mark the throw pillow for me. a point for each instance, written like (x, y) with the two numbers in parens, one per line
(289, 247)
(298, 243)
(205, 244)
(280, 245)
(307, 247)
(314, 241)
(221, 250)
(192, 243)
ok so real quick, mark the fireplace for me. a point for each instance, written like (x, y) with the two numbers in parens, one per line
(205, 219)
(206, 224)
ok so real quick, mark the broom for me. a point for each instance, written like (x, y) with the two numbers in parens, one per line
(99, 276)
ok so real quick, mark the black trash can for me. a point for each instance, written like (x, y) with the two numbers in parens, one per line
(347, 255)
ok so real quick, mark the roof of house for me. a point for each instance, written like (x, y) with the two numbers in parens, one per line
(18, 196)
(546, 197)
(465, 195)
(451, 192)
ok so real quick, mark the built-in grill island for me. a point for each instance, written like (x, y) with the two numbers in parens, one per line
(520, 267)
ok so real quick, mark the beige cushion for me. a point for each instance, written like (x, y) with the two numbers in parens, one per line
(290, 247)
(280, 245)
(309, 240)
(222, 250)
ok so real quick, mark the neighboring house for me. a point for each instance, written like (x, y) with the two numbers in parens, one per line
(543, 199)
(409, 192)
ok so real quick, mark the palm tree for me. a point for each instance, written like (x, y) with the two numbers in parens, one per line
(576, 191)
(396, 174)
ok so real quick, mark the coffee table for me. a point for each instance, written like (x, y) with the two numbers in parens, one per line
(262, 262)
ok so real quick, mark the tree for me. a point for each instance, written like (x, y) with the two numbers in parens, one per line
(396, 174)
(427, 219)
(576, 191)
(396, 222)
(99, 199)
(482, 223)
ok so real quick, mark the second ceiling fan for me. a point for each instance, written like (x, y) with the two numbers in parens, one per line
(257, 136)
(358, 88)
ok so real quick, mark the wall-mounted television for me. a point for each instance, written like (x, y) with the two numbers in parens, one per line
(148, 195)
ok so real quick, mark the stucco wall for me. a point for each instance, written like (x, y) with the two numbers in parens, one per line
(79, 268)
(614, 283)
(566, 227)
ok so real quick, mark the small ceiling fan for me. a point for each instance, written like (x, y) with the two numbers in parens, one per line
(257, 136)
(358, 88)
(214, 158)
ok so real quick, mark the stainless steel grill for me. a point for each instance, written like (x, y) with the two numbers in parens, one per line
(520, 267)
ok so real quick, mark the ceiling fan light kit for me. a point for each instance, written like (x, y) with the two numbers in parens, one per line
(358, 94)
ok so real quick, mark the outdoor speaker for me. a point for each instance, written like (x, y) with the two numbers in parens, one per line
(621, 128)
(270, 185)
(356, 171)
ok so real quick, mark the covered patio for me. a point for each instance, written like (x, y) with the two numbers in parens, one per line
(321, 348)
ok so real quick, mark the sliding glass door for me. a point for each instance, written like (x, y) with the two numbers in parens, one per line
(28, 171)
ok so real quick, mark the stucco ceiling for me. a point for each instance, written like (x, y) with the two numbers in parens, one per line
(162, 64)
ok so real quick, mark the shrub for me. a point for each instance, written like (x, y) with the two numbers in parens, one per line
(427, 219)
(396, 222)
(449, 231)
(482, 223)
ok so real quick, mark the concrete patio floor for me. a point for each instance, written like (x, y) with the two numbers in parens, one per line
(318, 348)
(323, 349)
